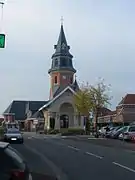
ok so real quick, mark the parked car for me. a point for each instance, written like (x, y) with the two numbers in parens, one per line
(129, 133)
(116, 133)
(12, 165)
(102, 131)
(13, 135)
(112, 130)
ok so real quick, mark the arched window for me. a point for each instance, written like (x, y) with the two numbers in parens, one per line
(55, 80)
(56, 63)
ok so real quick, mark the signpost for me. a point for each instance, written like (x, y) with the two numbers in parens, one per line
(2, 36)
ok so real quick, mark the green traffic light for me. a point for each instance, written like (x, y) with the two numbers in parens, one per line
(2, 40)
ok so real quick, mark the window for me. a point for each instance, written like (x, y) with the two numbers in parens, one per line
(12, 159)
(63, 62)
(14, 154)
(71, 80)
(56, 63)
(132, 129)
(55, 80)
(70, 62)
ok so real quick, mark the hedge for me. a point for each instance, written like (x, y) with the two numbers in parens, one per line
(73, 131)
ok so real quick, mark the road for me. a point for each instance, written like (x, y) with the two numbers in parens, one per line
(69, 159)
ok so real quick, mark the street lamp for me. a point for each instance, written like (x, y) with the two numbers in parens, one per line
(2, 36)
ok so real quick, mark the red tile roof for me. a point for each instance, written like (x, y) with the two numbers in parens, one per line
(112, 112)
(104, 111)
(128, 99)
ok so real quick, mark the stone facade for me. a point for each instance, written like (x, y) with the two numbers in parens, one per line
(63, 111)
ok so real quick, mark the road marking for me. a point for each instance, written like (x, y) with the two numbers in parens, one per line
(91, 154)
(73, 148)
(63, 137)
(125, 167)
(130, 151)
(95, 138)
(29, 137)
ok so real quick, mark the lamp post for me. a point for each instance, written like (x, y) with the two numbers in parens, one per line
(2, 36)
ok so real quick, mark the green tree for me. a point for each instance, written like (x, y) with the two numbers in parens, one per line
(83, 104)
(92, 98)
(100, 98)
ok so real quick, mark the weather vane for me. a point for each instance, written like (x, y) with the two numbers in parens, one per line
(61, 20)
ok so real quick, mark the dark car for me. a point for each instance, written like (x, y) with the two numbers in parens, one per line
(12, 165)
(113, 131)
(13, 135)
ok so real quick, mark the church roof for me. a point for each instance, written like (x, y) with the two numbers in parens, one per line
(62, 48)
(74, 86)
(20, 108)
(56, 97)
(37, 114)
(62, 59)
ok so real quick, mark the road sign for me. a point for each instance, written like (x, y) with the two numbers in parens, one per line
(2, 40)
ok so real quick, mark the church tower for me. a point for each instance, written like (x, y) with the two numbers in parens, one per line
(62, 70)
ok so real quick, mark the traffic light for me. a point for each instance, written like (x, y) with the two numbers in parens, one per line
(2, 40)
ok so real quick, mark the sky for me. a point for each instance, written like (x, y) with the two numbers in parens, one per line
(101, 34)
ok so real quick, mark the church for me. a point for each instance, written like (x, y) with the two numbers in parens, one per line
(59, 111)
(63, 85)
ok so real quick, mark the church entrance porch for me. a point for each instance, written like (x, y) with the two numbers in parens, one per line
(66, 115)
(64, 121)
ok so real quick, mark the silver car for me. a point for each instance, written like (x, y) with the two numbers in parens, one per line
(13, 135)
(129, 132)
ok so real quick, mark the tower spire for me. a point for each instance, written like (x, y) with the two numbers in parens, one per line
(61, 20)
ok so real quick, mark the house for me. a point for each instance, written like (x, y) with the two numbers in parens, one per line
(125, 111)
(108, 117)
(22, 111)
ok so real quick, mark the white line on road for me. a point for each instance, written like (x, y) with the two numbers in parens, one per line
(73, 148)
(93, 138)
(91, 154)
(124, 167)
(63, 137)
(29, 137)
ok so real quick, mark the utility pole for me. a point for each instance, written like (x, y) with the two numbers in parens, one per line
(2, 36)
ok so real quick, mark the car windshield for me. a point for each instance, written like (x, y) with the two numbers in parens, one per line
(13, 132)
(132, 129)
(122, 129)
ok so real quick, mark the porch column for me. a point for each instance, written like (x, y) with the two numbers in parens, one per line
(75, 121)
(57, 121)
(82, 122)
(48, 120)
(45, 119)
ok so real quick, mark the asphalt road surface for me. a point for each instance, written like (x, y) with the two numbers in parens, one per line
(68, 159)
